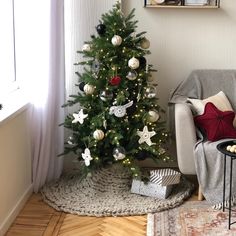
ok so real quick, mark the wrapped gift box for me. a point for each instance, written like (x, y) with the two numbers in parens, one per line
(150, 189)
(165, 177)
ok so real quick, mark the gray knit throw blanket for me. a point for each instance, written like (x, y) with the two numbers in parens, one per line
(107, 193)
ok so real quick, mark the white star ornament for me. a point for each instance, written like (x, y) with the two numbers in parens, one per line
(79, 117)
(145, 136)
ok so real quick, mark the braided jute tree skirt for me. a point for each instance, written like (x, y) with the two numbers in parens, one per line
(107, 193)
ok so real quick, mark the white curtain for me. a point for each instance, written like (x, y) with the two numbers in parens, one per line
(40, 67)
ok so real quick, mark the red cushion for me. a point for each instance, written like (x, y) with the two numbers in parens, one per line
(217, 124)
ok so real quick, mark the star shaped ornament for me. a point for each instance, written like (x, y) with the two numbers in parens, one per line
(87, 157)
(79, 117)
(145, 136)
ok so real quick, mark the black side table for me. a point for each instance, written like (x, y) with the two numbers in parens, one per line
(232, 156)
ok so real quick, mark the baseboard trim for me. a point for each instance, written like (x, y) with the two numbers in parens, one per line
(15, 210)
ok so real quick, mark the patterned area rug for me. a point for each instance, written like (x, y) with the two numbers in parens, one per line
(190, 219)
(107, 193)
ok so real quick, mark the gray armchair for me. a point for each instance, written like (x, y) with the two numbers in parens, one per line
(200, 85)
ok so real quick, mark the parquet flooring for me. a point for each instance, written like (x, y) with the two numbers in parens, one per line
(39, 219)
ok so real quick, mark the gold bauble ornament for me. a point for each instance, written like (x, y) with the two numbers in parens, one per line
(89, 89)
(98, 134)
(145, 43)
(153, 116)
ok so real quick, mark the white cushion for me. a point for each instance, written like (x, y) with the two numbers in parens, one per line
(219, 100)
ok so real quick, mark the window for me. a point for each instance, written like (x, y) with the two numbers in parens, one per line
(7, 48)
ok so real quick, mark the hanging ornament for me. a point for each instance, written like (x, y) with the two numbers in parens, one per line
(132, 75)
(86, 48)
(145, 43)
(89, 89)
(150, 92)
(95, 66)
(133, 63)
(87, 157)
(116, 40)
(79, 117)
(120, 111)
(81, 86)
(115, 80)
(98, 134)
(71, 140)
(153, 116)
(119, 153)
(145, 136)
(106, 95)
(142, 62)
(101, 29)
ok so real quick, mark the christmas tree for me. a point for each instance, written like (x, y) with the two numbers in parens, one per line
(117, 116)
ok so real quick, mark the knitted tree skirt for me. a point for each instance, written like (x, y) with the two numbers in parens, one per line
(107, 193)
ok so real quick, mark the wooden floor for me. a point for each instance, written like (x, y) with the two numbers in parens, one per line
(37, 219)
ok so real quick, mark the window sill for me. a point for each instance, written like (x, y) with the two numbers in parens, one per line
(13, 104)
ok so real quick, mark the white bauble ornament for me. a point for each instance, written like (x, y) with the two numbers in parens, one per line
(133, 63)
(89, 89)
(86, 48)
(153, 116)
(116, 40)
(98, 134)
(145, 43)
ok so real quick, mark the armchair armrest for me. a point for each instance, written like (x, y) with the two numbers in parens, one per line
(185, 138)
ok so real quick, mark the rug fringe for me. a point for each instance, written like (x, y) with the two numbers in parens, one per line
(219, 206)
(150, 225)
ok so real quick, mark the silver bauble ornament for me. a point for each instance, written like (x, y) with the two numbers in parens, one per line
(150, 92)
(106, 95)
(116, 40)
(89, 89)
(71, 140)
(86, 47)
(145, 43)
(132, 75)
(119, 153)
(98, 134)
(153, 116)
(133, 63)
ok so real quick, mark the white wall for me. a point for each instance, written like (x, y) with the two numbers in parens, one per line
(15, 168)
(187, 39)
